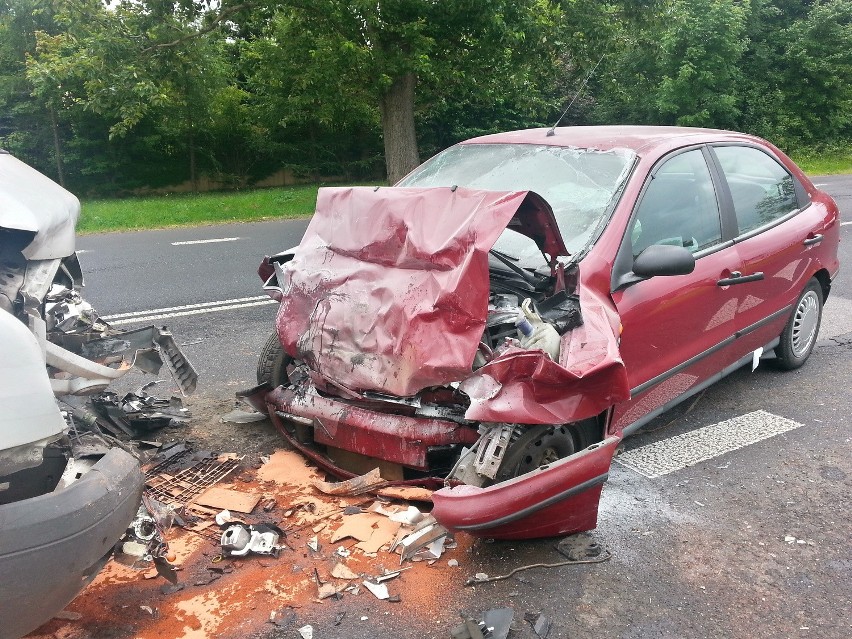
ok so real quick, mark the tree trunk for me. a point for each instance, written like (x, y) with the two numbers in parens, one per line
(57, 149)
(397, 107)
(193, 171)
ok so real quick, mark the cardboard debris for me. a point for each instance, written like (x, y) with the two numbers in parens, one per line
(358, 527)
(227, 499)
(406, 493)
(341, 571)
(354, 486)
(383, 535)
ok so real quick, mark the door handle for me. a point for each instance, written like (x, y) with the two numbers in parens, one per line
(738, 278)
(816, 239)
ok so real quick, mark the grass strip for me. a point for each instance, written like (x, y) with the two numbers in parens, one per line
(163, 211)
(816, 163)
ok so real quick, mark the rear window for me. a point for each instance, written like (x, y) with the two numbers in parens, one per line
(763, 191)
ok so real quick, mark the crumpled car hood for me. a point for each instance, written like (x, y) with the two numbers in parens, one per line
(388, 290)
(33, 203)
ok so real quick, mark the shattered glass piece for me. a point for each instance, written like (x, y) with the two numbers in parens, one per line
(380, 591)
(498, 621)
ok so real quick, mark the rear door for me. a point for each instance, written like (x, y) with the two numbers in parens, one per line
(778, 232)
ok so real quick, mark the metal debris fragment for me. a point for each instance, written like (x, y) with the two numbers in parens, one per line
(355, 486)
(580, 546)
(495, 624)
(426, 532)
(237, 416)
(540, 623)
(137, 413)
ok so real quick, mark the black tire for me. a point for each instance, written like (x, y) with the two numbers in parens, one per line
(536, 447)
(273, 363)
(800, 333)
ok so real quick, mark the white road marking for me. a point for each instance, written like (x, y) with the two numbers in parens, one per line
(823, 184)
(220, 239)
(845, 223)
(169, 309)
(680, 451)
(157, 314)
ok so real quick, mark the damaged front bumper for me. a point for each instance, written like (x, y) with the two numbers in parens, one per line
(54, 544)
(558, 499)
(397, 439)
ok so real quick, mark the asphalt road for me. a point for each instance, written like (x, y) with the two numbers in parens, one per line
(752, 543)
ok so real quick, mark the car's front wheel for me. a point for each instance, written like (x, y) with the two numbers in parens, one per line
(800, 333)
(273, 363)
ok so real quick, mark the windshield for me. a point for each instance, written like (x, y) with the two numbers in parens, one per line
(579, 184)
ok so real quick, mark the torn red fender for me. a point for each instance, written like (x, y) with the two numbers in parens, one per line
(558, 499)
(524, 386)
(388, 290)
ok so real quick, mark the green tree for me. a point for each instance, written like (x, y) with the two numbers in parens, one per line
(372, 56)
(30, 126)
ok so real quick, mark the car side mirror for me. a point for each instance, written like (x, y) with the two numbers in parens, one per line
(663, 259)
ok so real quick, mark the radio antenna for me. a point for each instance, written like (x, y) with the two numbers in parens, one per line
(552, 129)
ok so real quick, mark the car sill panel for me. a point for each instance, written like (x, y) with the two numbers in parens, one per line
(641, 388)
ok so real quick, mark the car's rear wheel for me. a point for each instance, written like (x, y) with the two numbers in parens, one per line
(800, 333)
(273, 363)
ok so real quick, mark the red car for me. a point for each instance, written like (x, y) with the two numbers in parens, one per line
(500, 319)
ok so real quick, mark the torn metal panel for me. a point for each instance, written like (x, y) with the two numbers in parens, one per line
(528, 387)
(382, 276)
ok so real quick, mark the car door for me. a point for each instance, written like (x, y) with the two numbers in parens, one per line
(777, 232)
(677, 331)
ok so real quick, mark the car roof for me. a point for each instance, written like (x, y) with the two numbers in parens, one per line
(640, 139)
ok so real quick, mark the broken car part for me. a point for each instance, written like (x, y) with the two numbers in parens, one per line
(495, 624)
(183, 487)
(137, 413)
(240, 539)
(61, 507)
